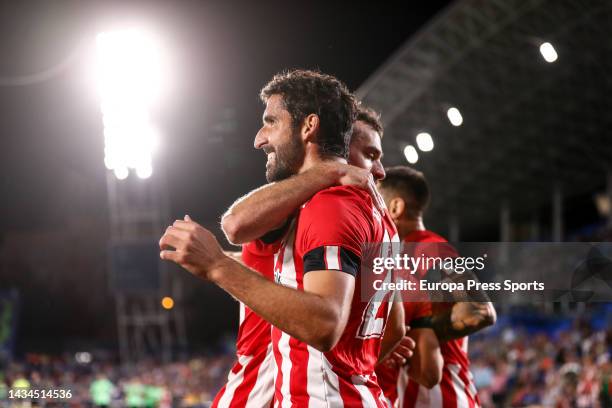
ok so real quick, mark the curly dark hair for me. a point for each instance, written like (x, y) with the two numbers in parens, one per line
(370, 117)
(305, 92)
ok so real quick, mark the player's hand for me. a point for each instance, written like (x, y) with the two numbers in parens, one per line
(348, 175)
(469, 314)
(191, 246)
(402, 353)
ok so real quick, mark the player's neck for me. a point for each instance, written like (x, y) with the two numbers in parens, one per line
(313, 157)
(407, 226)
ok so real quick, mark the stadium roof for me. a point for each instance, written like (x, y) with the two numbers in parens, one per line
(528, 125)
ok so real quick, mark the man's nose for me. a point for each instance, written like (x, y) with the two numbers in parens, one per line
(378, 171)
(260, 140)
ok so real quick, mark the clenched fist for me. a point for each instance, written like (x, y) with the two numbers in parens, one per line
(191, 246)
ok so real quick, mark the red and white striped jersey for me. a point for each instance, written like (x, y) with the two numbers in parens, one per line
(328, 234)
(456, 389)
(250, 382)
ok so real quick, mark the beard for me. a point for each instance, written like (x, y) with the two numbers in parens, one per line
(287, 160)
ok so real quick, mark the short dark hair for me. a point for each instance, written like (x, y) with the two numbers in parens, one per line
(371, 118)
(305, 92)
(409, 184)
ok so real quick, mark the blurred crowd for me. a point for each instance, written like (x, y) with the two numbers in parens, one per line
(512, 367)
(571, 368)
(192, 383)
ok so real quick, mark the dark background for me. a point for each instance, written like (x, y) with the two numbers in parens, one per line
(53, 211)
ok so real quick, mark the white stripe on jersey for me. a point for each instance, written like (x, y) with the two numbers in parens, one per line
(284, 348)
(233, 381)
(332, 385)
(458, 386)
(331, 257)
(263, 391)
(367, 398)
(242, 313)
(472, 387)
(315, 385)
(287, 276)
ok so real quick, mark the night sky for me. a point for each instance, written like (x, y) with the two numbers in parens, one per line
(53, 212)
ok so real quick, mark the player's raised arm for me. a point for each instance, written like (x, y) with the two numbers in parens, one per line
(316, 315)
(268, 207)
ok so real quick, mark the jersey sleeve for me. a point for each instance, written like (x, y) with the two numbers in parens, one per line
(332, 228)
(259, 247)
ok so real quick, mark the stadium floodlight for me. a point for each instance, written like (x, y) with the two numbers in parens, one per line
(128, 71)
(425, 142)
(121, 172)
(548, 52)
(454, 116)
(411, 154)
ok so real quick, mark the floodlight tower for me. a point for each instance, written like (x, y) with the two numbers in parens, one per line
(128, 70)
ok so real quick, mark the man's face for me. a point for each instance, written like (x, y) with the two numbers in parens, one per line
(279, 141)
(366, 150)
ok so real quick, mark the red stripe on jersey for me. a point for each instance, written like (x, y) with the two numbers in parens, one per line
(278, 375)
(412, 391)
(350, 395)
(299, 359)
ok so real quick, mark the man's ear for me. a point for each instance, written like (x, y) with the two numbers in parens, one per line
(310, 128)
(397, 206)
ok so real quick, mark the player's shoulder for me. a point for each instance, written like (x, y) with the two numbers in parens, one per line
(343, 192)
(341, 197)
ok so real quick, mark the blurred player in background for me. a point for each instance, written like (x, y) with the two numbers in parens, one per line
(406, 194)
(325, 340)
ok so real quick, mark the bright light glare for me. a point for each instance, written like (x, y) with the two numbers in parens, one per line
(129, 77)
(411, 154)
(425, 142)
(144, 172)
(121, 172)
(454, 116)
(548, 52)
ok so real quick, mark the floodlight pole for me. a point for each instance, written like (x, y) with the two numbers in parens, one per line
(138, 213)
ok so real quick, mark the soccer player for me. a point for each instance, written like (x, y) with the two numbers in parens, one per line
(406, 194)
(325, 340)
(250, 381)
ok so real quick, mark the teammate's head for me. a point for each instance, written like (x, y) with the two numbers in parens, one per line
(366, 149)
(405, 191)
(304, 107)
